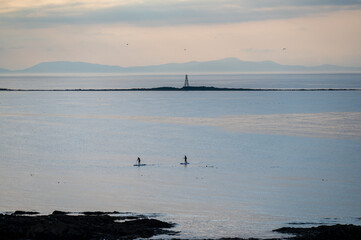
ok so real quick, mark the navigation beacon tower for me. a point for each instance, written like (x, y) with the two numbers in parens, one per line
(186, 83)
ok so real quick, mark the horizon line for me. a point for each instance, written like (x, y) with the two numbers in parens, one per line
(175, 89)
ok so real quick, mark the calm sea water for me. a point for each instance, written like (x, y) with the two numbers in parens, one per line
(259, 160)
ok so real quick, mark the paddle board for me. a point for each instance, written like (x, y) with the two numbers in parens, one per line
(183, 163)
(139, 165)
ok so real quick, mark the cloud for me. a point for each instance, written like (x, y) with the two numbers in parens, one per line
(11, 48)
(261, 51)
(171, 12)
(16, 48)
(297, 3)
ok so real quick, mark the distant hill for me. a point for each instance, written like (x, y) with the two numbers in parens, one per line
(71, 67)
(227, 65)
(3, 70)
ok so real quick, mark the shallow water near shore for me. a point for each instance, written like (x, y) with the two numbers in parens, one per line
(258, 160)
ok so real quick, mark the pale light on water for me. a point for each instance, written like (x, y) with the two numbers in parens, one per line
(75, 151)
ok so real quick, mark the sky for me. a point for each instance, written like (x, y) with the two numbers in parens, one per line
(150, 32)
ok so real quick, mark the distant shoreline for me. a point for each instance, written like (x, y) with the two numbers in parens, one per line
(174, 89)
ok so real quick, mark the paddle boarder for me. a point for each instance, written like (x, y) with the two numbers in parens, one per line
(138, 161)
(185, 159)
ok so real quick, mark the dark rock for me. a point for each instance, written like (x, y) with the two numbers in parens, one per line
(98, 213)
(102, 225)
(334, 232)
(24, 213)
(56, 212)
(59, 225)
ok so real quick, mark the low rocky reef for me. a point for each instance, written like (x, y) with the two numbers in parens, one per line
(22, 225)
(334, 232)
(79, 226)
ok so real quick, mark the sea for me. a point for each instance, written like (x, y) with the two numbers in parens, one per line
(259, 160)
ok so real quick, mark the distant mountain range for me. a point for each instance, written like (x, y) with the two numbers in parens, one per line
(227, 65)
(3, 70)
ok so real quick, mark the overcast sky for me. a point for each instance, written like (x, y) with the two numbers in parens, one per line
(136, 32)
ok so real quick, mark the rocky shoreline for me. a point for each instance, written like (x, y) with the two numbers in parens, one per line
(334, 232)
(23, 225)
(79, 226)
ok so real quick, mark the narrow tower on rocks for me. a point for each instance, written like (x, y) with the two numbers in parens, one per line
(186, 83)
